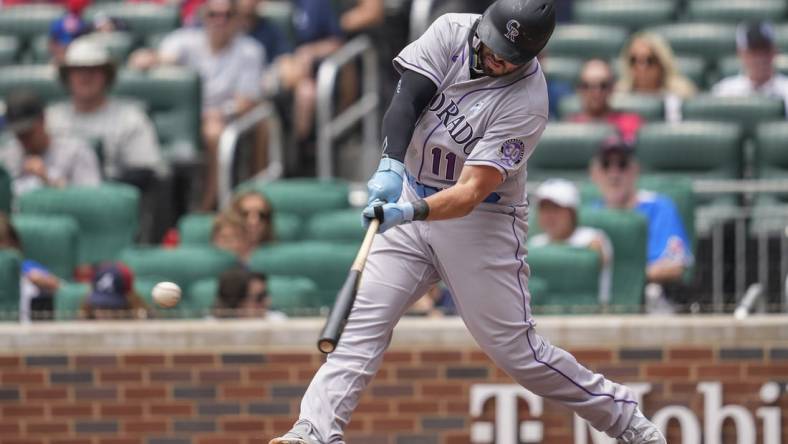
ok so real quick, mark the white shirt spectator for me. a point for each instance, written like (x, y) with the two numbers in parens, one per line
(582, 237)
(232, 72)
(67, 160)
(128, 138)
(741, 85)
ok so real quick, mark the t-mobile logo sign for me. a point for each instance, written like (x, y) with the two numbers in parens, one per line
(508, 430)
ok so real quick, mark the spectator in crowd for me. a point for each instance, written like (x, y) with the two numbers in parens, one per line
(436, 303)
(359, 16)
(615, 172)
(230, 65)
(265, 31)
(128, 144)
(649, 67)
(229, 233)
(34, 158)
(37, 286)
(557, 89)
(595, 88)
(558, 200)
(256, 211)
(756, 51)
(317, 35)
(112, 295)
(244, 294)
(64, 30)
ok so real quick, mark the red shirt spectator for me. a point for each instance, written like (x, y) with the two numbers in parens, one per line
(595, 88)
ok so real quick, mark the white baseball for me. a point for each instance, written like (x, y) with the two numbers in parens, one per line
(166, 294)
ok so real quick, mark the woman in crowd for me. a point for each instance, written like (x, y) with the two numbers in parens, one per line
(648, 67)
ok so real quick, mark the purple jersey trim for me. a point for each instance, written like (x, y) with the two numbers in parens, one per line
(498, 165)
(531, 326)
(419, 69)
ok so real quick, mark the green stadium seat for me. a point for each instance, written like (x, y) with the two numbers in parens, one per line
(747, 111)
(184, 265)
(51, 240)
(694, 68)
(587, 41)
(9, 49)
(340, 225)
(325, 263)
(772, 150)
(28, 21)
(287, 293)
(68, 300)
(6, 193)
(173, 98)
(119, 45)
(770, 214)
(634, 14)
(304, 197)
(566, 69)
(628, 233)
(736, 11)
(649, 107)
(10, 263)
(143, 18)
(781, 36)
(578, 293)
(708, 40)
(195, 229)
(566, 149)
(41, 79)
(701, 150)
(731, 66)
(107, 216)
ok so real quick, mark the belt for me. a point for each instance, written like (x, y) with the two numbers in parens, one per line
(425, 191)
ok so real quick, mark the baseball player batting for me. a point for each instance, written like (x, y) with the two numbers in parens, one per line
(469, 109)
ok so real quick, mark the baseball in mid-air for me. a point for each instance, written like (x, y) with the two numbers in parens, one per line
(166, 294)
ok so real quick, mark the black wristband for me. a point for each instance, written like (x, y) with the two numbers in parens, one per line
(420, 210)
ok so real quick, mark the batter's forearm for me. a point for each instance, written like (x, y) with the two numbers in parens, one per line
(453, 202)
(413, 94)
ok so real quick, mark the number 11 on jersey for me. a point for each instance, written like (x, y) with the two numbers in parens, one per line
(437, 160)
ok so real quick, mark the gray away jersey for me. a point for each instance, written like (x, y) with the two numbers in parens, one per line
(493, 121)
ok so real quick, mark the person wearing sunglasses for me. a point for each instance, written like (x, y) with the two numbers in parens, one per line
(648, 67)
(615, 171)
(256, 211)
(595, 88)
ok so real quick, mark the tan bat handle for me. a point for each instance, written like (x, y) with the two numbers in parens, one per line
(366, 245)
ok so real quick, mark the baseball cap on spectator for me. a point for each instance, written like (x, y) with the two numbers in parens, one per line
(559, 191)
(615, 144)
(23, 109)
(68, 28)
(754, 35)
(111, 284)
(86, 52)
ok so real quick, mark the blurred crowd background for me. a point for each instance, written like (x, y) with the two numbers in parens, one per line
(224, 145)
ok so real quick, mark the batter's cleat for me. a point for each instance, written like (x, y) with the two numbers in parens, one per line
(641, 431)
(299, 434)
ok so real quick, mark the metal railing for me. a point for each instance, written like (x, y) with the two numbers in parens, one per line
(741, 218)
(364, 109)
(228, 147)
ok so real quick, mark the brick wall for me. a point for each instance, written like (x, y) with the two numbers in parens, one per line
(421, 394)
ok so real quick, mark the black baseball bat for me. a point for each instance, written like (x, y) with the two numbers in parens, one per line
(337, 318)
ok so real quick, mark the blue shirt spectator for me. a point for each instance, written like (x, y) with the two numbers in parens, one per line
(315, 20)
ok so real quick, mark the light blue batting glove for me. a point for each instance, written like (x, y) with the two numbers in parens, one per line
(386, 184)
(393, 214)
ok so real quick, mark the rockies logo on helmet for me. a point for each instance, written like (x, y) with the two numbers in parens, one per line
(512, 30)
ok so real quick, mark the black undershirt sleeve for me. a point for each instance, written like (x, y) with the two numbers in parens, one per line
(413, 94)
